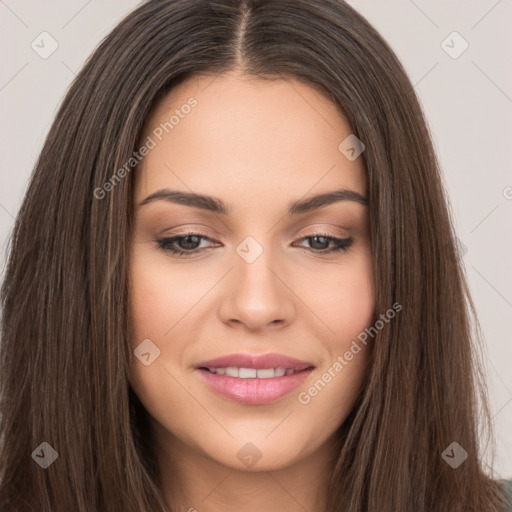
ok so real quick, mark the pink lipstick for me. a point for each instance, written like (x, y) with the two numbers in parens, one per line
(252, 379)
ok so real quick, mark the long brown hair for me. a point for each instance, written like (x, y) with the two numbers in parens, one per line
(65, 354)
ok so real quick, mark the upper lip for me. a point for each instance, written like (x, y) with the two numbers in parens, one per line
(254, 361)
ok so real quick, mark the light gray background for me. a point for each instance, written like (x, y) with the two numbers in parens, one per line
(467, 102)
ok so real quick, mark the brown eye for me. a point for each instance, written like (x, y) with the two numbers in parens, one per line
(320, 243)
(183, 245)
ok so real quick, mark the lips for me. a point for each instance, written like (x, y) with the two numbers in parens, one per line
(252, 379)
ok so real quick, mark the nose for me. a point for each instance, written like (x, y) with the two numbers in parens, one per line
(257, 296)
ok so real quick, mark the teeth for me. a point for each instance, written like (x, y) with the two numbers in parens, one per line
(266, 373)
(247, 373)
(252, 373)
(232, 372)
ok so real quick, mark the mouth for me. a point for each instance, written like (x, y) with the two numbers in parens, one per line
(252, 373)
(255, 379)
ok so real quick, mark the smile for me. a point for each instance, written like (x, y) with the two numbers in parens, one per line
(252, 373)
(245, 388)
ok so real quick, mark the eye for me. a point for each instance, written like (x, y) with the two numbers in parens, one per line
(188, 244)
(320, 242)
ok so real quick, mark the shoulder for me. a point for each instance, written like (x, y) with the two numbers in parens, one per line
(506, 486)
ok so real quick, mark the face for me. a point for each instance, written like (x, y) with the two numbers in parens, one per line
(259, 270)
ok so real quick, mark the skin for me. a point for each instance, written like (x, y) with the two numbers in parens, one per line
(258, 146)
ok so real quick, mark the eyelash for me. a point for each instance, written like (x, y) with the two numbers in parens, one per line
(340, 244)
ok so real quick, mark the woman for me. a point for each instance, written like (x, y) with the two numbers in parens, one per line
(233, 283)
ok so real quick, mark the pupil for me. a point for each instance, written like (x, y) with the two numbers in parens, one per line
(321, 238)
(185, 242)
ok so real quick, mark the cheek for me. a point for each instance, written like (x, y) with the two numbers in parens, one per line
(148, 303)
(155, 308)
(356, 302)
(159, 297)
(347, 300)
(352, 313)
(348, 312)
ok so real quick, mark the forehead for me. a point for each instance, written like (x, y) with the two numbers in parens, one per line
(238, 137)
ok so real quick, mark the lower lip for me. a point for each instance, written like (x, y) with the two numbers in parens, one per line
(254, 391)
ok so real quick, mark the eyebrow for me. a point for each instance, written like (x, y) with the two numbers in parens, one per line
(216, 205)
